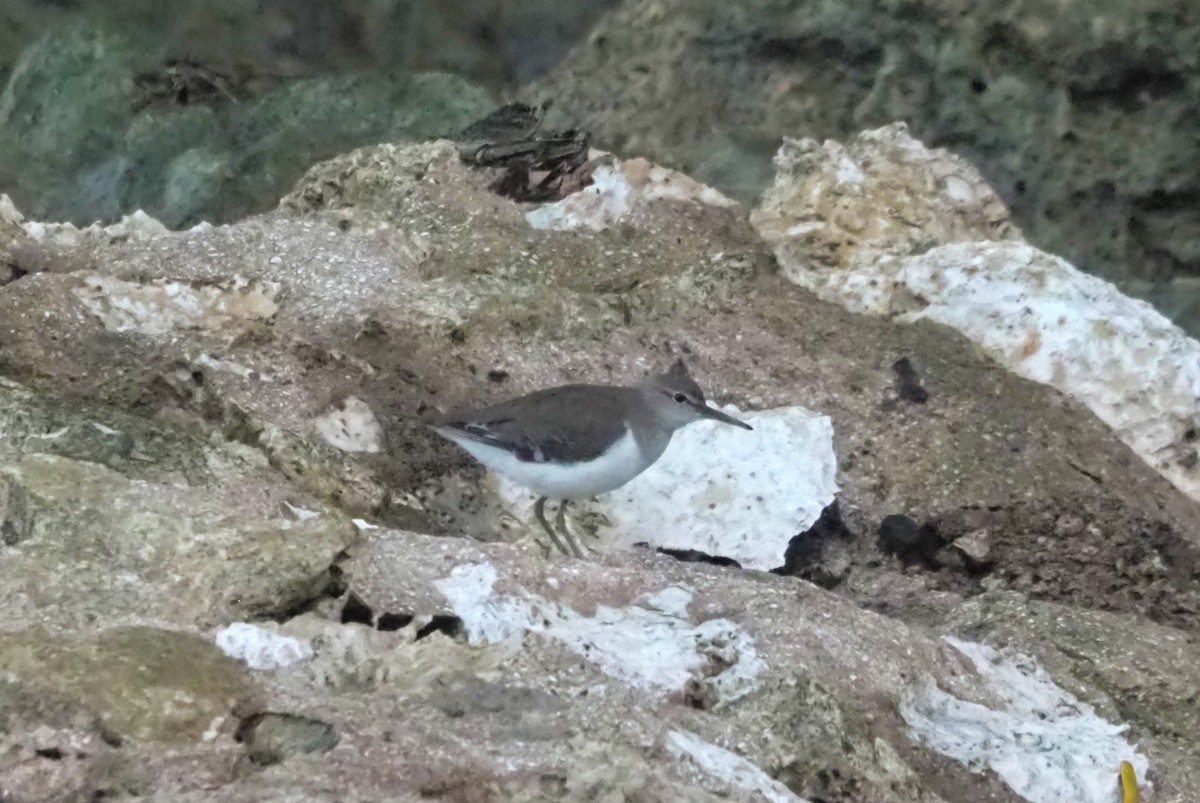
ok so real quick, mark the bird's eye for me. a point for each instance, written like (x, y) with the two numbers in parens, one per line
(681, 398)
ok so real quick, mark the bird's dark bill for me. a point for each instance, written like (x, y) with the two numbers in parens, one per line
(717, 415)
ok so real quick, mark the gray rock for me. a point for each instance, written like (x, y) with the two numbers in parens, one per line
(144, 684)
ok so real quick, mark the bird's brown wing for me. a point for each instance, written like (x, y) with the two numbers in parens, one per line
(564, 424)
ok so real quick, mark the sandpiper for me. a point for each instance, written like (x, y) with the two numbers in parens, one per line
(577, 441)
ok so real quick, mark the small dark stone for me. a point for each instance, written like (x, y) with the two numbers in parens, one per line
(908, 382)
(497, 376)
(695, 556)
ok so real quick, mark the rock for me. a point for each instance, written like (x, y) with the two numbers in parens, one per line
(1150, 671)
(1076, 120)
(168, 404)
(1008, 297)
(12, 236)
(833, 206)
(805, 719)
(144, 683)
(66, 93)
(271, 737)
(976, 547)
(100, 547)
(260, 648)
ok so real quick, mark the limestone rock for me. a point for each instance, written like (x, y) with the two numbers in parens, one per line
(835, 206)
(1031, 311)
(96, 546)
(143, 683)
(1079, 119)
(166, 462)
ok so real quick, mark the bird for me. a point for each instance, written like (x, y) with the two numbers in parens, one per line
(578, 441)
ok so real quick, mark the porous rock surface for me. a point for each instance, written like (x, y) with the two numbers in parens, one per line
(228, 424)
(1080, 114)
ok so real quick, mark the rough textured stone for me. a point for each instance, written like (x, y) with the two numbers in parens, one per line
(104, 548)
(143, 683)
(1027, 309)
(392, 283)
(1149, 674)
(833, 206)
(1082, 115)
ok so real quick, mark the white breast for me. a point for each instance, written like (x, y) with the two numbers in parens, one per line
(618, 465)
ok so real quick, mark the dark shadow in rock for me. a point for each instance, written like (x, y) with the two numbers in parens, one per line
(271, 737)
(10, 273)
(819, 553)
(356, 611)
(447, 624)
(912, 543)
(330, 584)
(388, 622)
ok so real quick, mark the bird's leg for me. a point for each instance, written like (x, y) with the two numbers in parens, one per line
(560, 521)
(539, 510)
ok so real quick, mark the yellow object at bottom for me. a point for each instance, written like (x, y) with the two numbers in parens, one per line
(1129, 786)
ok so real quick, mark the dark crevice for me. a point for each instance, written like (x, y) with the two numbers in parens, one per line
(1096, 478)
(52, 753)
(807, 554)
(11, 272)
(356, 611)
(447, 624)
(394, 621)
(333, 587)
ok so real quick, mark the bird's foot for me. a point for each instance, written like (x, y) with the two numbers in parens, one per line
(539, 510)
(560, 523)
